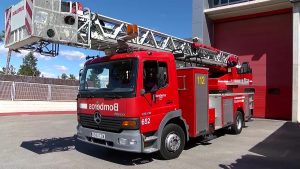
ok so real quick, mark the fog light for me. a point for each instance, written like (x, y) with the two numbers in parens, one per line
(123, 141)
(132, 142)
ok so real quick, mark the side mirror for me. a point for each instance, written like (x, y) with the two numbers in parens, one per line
(153, 91)
(80, 73)
(143, 91)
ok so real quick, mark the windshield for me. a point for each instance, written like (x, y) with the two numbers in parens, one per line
(112, 77)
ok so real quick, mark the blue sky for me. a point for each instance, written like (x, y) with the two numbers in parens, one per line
(173, 17)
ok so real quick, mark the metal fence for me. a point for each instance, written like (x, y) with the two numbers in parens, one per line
(217, 3)
(36, 92)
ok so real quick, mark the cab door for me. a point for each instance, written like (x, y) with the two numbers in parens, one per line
(158, 97)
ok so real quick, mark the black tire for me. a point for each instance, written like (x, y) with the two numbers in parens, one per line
(169, 133)
(237, 127)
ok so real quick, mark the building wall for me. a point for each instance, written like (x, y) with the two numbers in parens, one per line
(265, 42)
(202, 25)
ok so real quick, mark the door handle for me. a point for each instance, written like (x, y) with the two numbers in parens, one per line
(169, 102)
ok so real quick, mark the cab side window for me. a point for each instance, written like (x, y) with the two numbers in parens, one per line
(150, 76)
(163, 79)
(155, 76)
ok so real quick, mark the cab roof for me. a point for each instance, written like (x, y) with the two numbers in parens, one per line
(136, 54)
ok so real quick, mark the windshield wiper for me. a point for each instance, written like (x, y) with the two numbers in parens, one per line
(85, 94)
(114, 95)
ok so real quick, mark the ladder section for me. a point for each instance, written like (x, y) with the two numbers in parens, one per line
(63, 22)
(106, 33)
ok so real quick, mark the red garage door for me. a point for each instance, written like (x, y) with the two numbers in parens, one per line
(266, 42)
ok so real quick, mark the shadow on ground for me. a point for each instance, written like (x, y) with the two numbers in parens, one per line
(194, 142)
(52, 145)
(119, 157)
(278, 151)
(45, 146)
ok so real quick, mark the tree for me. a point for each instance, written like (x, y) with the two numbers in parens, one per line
(64, 76)
(29, 66)
(10, 71)
(93, 79)
(72, 77)
(8, 57)
(2, 36)
(2, 39)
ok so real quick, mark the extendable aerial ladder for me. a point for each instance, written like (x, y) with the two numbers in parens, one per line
(41, 25)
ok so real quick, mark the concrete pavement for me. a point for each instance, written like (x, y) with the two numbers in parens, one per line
(48, 142)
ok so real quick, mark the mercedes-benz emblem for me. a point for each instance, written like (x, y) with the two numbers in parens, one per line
(97, 118)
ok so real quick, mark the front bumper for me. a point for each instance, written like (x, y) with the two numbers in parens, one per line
(127, 140)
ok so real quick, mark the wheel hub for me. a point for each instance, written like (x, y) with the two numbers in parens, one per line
(172, 142)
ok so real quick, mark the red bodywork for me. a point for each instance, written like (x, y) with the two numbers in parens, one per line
(188, 101)
(230, 80)
(187, 96)
(211, 116)
(151, 108)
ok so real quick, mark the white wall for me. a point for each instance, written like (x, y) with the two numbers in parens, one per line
(35, 106)
(296, 63)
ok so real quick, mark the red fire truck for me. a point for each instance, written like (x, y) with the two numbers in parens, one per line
(152, 92)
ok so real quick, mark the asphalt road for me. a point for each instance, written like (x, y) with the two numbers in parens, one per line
(47, 141)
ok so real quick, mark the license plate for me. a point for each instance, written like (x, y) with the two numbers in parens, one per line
(98, 135)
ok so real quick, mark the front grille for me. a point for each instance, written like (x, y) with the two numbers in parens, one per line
(107, 123)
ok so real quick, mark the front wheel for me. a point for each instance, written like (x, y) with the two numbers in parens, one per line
(172, 142)
(237, 127)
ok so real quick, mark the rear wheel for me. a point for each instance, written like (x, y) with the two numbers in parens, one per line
(172, 142)
(237, 127)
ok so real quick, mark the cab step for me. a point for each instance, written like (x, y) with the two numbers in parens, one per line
(150, 138)
(150, 150)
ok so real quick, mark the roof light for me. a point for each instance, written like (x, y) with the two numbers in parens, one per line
(132, 29)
